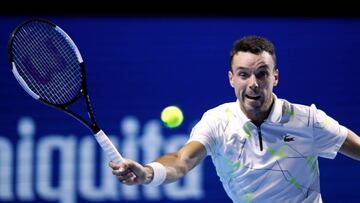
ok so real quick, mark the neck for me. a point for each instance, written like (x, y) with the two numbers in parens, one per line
(257, 119)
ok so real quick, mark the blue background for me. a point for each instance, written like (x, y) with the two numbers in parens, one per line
(138, 65)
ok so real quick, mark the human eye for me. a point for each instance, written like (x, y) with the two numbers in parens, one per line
(243, 74)
(262, 74)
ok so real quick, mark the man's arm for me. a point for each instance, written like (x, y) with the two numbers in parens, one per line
(351, 146)
(177, 164)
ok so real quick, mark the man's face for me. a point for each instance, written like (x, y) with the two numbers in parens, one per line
(253, 78)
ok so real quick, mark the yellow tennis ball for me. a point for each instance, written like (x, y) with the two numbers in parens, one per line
(172, 116)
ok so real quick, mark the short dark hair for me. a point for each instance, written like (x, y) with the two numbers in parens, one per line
(253, 44)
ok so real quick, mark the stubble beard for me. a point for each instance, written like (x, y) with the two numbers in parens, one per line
(257, 112)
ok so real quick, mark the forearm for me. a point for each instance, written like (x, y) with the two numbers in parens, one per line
(175, 166)
(165, 169)
(181, 162)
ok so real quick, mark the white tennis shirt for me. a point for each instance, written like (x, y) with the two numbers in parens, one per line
(276, 162)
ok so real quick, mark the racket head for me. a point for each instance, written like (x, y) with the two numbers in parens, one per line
(46, 62)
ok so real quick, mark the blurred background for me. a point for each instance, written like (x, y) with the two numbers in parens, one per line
(136, 66)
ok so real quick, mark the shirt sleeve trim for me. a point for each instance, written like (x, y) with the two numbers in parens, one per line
(201, 142)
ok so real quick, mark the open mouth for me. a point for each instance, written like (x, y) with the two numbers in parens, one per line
(252, 97)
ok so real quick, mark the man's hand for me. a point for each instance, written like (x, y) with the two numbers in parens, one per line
(130, 172)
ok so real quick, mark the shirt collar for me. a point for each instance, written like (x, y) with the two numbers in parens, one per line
(274, 116)
(276, 111)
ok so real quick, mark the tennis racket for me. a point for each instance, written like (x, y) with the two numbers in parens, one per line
(48, 65)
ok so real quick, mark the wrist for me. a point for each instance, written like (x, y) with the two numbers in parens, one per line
(156, 174)
(149, 175)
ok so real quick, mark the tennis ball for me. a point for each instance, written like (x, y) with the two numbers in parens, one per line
(172, 116)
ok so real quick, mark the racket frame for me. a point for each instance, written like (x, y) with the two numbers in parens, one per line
(92, 124)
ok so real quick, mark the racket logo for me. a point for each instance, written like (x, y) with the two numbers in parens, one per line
(53, 55)
(56, 55)
(42, 78)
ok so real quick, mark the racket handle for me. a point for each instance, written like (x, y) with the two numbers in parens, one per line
(108, 147)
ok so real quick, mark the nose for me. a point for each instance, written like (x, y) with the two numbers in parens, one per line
(253, 83)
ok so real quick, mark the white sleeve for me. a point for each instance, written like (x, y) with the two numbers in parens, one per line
(204, 132)
(329, 135)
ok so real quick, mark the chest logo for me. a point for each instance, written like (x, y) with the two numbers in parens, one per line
(288, 138)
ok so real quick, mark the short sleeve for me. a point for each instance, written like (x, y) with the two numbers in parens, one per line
(204, 132)
(329, 135)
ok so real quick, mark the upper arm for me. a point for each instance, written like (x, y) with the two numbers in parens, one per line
(351, 146)
(329, 135)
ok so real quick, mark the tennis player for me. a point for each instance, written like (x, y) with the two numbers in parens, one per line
(265, 149)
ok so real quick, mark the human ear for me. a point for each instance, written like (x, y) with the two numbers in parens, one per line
(276, 76)
(230, 75)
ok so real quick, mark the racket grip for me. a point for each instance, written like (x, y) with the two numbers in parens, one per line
(108, 147)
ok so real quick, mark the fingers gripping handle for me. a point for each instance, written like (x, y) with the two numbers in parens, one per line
(108, 147)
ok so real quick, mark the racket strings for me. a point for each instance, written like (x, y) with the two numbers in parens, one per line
(47, 62)
(41, 65)
(57, 77)
(42, 74)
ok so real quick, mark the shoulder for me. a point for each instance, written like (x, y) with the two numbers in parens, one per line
(295, 109)
(219, 116)
(221, 112)
(307, 113)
